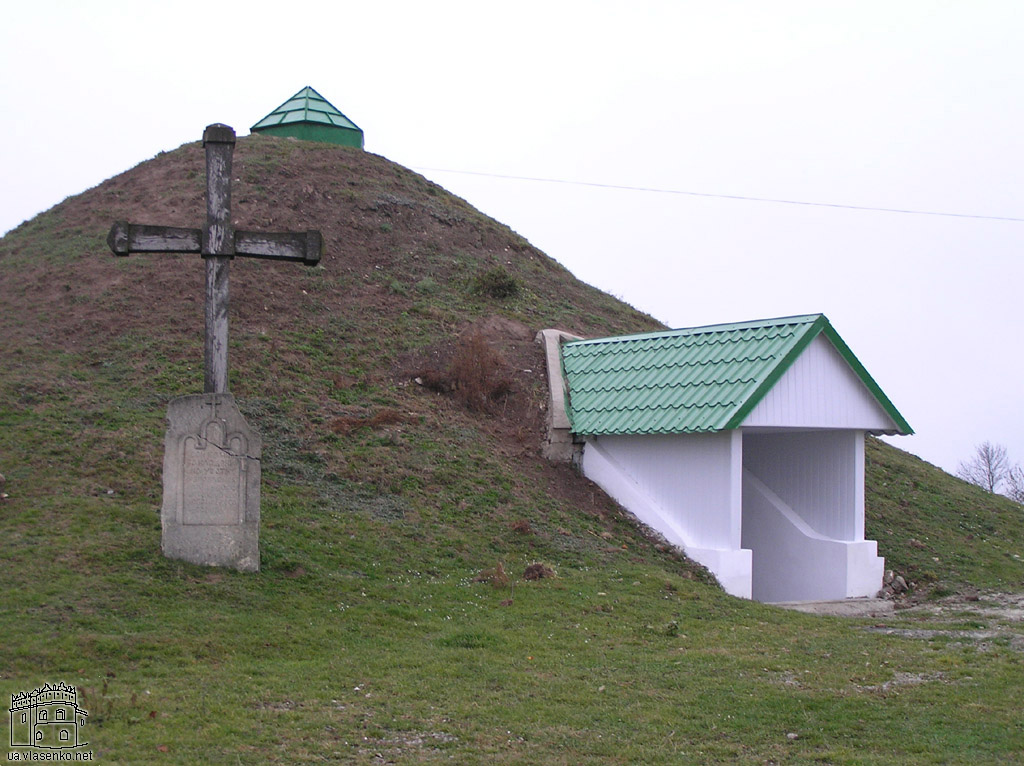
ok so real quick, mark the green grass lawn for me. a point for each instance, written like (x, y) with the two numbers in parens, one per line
(370, 640)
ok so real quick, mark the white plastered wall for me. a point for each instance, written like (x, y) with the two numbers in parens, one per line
(803, 517)
(819, 474)
(792, 562)
(688, 487)
(803, 485)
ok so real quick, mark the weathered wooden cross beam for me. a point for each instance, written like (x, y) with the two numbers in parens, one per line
(218, 243)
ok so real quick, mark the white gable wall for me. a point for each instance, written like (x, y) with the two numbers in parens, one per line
(820, 390)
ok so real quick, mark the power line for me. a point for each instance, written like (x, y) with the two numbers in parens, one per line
(742, 197)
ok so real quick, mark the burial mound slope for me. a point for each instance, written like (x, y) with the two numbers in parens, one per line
(398, 377)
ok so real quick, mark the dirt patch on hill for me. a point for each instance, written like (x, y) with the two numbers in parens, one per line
(1004, 607)
(494, 368)
(980, 620)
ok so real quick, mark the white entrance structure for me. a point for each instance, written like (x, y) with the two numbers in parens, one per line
(741, 443)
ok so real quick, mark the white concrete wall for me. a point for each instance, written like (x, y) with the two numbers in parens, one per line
(797, 535)
(820, 391)
(819, 474)
(792, 562)
(688, 487)
(695, 477)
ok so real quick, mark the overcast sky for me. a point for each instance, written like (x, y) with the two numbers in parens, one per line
(891, 104)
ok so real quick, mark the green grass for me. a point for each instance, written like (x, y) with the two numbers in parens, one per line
(366, 635)
(939, 531)
(345, 646)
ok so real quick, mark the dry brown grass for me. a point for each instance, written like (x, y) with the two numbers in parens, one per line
(496, 576)
(384, 417)
(538, 571)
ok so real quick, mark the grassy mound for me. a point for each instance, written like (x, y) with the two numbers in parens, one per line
(431, 588)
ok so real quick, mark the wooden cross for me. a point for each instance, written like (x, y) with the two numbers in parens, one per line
(218, 243)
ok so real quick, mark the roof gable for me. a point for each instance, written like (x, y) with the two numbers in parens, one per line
(692, 380)
(820, 390)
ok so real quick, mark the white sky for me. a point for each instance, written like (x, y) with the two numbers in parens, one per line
(912, 105)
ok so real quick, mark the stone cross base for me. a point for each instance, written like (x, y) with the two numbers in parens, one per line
(211, 509)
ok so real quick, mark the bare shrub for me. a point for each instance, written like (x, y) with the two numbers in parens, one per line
(479, 374)
(991, 469)
(1015, 484)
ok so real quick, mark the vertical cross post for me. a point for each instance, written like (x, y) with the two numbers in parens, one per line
(218, 250)
(218, 242)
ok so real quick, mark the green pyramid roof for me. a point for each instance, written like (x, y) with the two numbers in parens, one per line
(311, 117)
(692, 380)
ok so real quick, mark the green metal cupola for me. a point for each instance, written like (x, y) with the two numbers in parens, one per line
(311, 117)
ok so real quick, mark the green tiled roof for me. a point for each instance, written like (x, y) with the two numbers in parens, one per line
(692, 380)
(309, 115)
